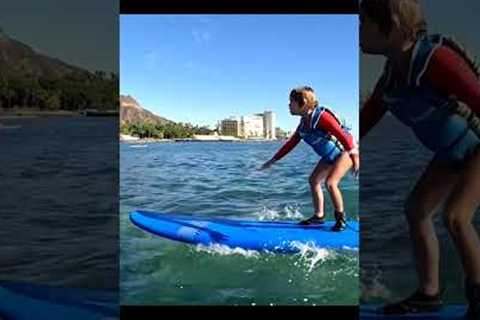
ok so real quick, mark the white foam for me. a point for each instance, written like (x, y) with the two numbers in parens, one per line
(289, 212)
(293, 212)
(267, 214)
(312, 255)
(226, 250)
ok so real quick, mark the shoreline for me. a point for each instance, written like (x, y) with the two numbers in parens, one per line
(135, 140)
(36, 113)
(196, 138)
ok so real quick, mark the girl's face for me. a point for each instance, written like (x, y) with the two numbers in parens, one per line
(294, 107)
(372, 40)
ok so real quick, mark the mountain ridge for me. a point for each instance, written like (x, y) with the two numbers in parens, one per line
(132, 112)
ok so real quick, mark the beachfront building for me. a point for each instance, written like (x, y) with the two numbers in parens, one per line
(253, 126)
(269, 125)
(230, 127)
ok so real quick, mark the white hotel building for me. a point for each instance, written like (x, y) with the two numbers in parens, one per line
(254, 126)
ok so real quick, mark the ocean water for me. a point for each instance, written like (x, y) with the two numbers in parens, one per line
(221, 179)
(59, 201)
(392, 162)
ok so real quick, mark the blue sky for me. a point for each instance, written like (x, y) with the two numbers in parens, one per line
(203, 68)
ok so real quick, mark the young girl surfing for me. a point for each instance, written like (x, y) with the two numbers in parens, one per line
(321, 129)
(427, 82)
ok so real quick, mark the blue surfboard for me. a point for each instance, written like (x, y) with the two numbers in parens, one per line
(451, 312)
(24, 301)
(272, 236)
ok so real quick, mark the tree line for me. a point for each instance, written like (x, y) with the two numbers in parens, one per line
(163, 131)
(73, 91)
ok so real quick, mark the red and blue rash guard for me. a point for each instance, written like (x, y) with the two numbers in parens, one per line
(445, 71)
(322, 124)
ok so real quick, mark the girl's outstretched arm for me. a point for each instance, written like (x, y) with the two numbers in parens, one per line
(286, 148)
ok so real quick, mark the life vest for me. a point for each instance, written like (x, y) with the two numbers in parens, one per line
(321, 141)
(432, 115)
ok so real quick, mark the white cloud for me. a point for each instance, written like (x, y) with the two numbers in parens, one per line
(201, 36)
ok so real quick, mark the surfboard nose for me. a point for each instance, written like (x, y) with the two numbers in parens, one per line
(134, 216)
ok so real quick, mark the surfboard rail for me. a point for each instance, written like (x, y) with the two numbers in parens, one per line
(273, 236)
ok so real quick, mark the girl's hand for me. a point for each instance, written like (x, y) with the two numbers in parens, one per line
(267, 164)
(356, 165)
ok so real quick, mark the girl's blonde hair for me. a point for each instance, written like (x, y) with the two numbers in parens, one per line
(304, 96)
(407, 13)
